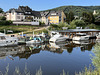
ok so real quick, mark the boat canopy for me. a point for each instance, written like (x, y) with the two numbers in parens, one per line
(81, 34)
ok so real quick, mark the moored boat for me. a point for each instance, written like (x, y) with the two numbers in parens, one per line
(8, 40)
(81, 37)
(56, 37)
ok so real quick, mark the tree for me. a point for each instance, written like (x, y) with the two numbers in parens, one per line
(1, 10)
(79, 23)
(62, 24)
(69, 16)
(2, 18)
(88, 17)
(92, 26)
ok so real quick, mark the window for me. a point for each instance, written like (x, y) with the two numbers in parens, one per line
(18, 13)
(18, 17)
(3, 38)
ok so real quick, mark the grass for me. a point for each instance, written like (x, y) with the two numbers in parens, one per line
(19, 28)
(17, 71)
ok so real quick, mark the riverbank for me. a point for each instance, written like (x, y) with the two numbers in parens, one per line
(26, 29)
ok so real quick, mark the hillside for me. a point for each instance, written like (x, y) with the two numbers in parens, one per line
(77, 9)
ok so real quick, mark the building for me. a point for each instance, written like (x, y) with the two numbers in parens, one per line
(95, 12)
(44, 18)
(53, 17)
(23, 13)
(2, 14)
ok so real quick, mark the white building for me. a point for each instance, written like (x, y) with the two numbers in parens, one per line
(23, 13)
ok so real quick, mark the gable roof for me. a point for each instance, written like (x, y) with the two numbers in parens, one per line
(51, 13)
(26, 11)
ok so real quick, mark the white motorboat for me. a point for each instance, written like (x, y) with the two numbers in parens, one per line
(56, 37)
(8, 40)
(82, 42)
(35, 40)
(81, 37)
(98, 36)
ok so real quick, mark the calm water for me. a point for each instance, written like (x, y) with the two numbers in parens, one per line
(52, 58)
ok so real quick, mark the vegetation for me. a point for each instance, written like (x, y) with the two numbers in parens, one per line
(1, 10)
(77, 10)
(41, 23)
(91, 26)
(18, 72)
(77, 23)
(88, 17)
(17, 29)
(69, 17)
(95, 61)
(3, 21)
(59, 26)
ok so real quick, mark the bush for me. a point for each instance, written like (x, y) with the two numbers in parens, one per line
(2, 18)
(41, 23)
(91, 26)
(72, 26)
(54, 27)
(62, 24)
(79, 23)
(5, 22)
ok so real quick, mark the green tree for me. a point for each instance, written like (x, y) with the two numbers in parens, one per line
(88, 17)
(1, 10)
(91, 26)
(54, 27)
(62, 24)
(79, 23)
(2, 18)
(69, 16)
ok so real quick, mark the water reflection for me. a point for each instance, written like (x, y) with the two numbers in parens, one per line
(25, 51)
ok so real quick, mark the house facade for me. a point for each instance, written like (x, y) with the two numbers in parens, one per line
(53, 17)
(44, 18)
(23, 13)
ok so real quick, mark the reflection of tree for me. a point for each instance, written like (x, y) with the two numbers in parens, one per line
(87, 47)
(70, 47)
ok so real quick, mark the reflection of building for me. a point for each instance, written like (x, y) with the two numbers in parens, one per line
(23, 51)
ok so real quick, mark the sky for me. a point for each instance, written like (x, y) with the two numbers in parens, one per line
(39, 5)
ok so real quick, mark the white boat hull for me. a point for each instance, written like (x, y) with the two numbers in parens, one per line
(33, 42)
(8, 42)
(80, 38)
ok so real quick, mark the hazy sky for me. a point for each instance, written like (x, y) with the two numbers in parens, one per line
(45, 4)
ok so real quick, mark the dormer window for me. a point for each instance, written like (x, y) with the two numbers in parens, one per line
(28, 12)
(53, 14)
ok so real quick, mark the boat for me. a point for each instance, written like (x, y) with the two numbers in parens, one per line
(82, 42)
(8, 40)
(81, 37)
(34, 40)
(98, 36)
(56, 37)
